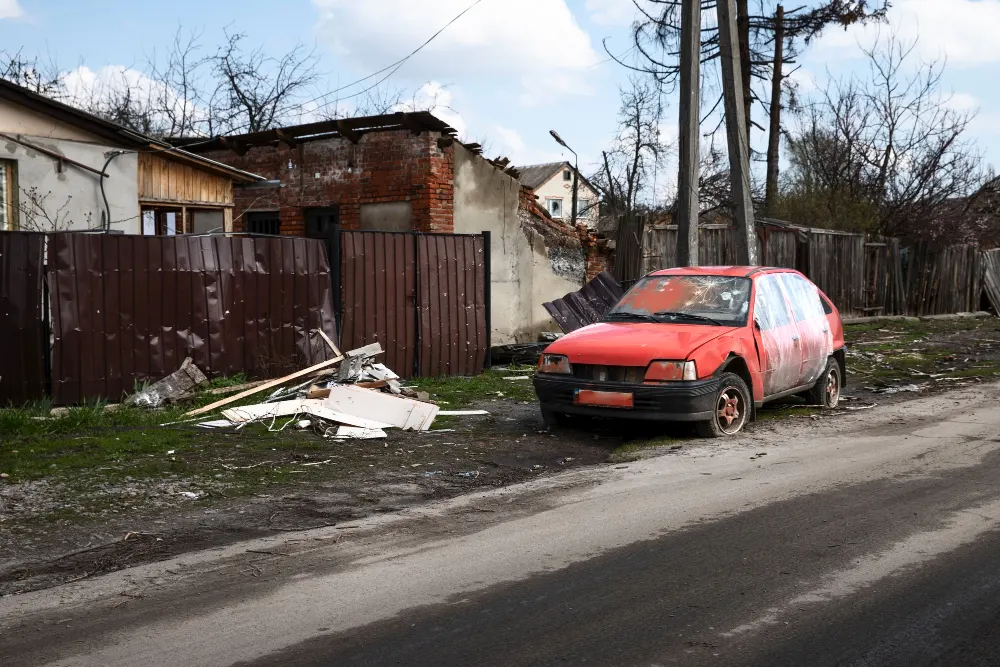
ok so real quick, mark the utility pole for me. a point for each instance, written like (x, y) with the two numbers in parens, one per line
(774, 131)
(688, 205)
(736, 133)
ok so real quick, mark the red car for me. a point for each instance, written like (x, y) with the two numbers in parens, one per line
(702, 344)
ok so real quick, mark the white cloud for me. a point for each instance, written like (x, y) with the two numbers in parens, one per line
(963, 102)
(963, 31)
(436, 98)
(534, 42)
(511, 142)
(10, 9)
(611, 12)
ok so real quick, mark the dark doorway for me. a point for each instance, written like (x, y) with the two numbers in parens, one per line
(324, 223)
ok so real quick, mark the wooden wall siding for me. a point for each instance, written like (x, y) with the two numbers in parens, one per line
(165, 180)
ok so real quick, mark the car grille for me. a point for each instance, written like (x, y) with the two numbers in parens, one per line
(601, 373)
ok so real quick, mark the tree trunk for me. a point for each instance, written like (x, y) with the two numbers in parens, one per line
(774, 131)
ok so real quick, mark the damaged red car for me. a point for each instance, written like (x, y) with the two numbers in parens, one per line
(708, 345)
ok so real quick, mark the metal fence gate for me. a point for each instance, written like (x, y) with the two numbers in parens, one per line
(423, 297)
(23, 318)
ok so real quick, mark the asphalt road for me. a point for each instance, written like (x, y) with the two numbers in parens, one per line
(869, 539)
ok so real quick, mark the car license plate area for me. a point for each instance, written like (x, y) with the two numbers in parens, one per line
(604, 399)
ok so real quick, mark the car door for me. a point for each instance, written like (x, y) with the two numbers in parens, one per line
(776, 335)
(815, 341)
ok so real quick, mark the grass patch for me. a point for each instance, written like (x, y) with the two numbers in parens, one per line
(454, 393)
(638, 449)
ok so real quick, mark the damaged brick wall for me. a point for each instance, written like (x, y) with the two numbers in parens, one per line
(383, 167)
(575, 253)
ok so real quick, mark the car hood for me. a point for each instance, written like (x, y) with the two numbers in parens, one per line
(634, 343)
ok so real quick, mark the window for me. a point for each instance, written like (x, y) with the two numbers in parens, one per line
(567, 175)
(162, 222)
(263, 222)
(8, 195)
(697, 300)
(803, 297)
(770, 309)
(583, 207)
(554, 206)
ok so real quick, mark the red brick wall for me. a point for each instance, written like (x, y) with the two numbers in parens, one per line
(383, 167)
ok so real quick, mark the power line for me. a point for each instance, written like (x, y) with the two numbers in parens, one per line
(394, 67)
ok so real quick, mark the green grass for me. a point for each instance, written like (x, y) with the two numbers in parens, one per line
(637, 449)
(454, 393)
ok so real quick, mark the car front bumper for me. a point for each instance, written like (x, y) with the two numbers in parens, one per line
(674, 401)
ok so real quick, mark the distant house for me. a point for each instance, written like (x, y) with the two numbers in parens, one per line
(553, 185)
(63, 169)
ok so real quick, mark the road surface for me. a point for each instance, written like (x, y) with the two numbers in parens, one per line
(866, 539)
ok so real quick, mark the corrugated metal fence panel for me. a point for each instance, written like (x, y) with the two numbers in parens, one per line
(378, 284)
(126, 309)
(587, 305)
(22, 325)
(452, 320)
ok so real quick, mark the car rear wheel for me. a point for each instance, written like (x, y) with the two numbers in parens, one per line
(826, 392)
(732, 408)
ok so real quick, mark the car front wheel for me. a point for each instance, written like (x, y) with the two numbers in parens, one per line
(731, 408)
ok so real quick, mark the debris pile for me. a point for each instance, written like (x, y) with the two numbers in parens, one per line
(350, 396)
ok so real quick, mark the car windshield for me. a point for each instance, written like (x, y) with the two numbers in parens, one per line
(701, 300)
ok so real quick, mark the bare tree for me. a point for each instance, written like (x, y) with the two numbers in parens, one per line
(179, 94)
(885, 152)
(625, 173)
(42, 78)
(258, 91)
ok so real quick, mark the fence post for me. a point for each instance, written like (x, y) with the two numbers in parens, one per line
(416, 304)
(487, 297)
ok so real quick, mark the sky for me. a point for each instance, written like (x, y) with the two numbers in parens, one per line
(503, 74)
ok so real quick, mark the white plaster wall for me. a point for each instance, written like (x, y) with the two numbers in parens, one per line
(75, 191)
(557, 187)
(521, 276)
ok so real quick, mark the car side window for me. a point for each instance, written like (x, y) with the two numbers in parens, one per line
(803, 297)
(770, 309)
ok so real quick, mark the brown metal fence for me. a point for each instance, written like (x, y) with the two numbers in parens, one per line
(23, 324)
(131, 308)
(423, 297)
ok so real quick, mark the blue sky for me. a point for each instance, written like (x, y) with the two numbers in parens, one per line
(507, 71)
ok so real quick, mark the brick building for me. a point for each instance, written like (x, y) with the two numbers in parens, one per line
(409, 172)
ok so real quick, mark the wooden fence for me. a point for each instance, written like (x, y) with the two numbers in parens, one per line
(862, 275)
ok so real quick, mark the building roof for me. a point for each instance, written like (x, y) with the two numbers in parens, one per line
(535, 175)
(114, 133)
(347, 128)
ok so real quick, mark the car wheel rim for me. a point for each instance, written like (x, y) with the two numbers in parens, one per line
(833, 388)
(730, 410)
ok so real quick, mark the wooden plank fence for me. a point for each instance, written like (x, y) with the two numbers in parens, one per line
(862, 275)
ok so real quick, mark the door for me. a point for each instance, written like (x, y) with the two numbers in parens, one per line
(324, 223)
(777, 337)
(815, 340)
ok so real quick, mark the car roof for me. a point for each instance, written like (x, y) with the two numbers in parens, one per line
(732, 271)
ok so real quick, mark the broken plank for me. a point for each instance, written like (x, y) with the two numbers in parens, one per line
(260, 388)
(316, 408)
(401, 412)
(222, 391)
(461, 413)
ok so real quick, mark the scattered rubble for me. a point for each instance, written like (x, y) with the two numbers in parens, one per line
(175, 387)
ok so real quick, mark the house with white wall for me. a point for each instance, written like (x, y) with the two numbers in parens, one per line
(63, 169)
(553, 186)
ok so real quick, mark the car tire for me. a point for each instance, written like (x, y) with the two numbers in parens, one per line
(731, 409)
(826, 392)
(553, 419)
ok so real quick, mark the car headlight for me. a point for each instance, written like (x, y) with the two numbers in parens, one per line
(671, 371)
(554, 363)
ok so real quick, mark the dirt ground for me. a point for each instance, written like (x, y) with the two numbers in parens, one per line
(56, 528)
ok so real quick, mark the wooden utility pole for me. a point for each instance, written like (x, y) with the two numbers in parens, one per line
(774, 131)
(736, 132)
(688, 205)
